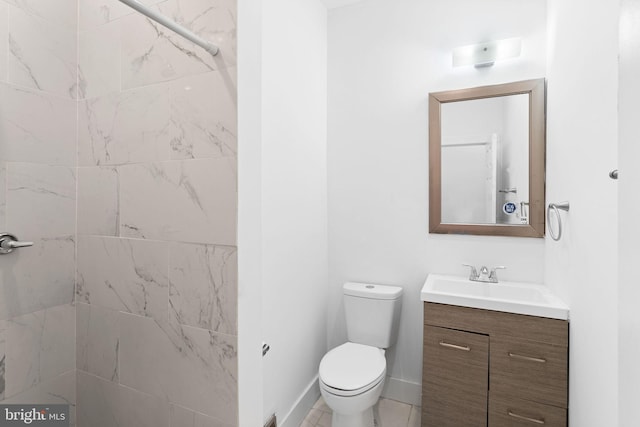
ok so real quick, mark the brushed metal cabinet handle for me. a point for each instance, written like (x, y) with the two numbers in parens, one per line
(527, 358)
(455, 347)
(522, 417)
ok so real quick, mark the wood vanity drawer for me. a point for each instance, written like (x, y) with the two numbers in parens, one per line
(511, 412)
(456, 376)
(529, 370)
(551, 331)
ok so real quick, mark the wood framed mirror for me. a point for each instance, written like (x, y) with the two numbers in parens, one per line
(487, 160)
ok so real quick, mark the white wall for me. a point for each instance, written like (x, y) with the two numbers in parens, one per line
(629, 226)
(294, 204)
(384, 58)
(581, 150)
(250, 403)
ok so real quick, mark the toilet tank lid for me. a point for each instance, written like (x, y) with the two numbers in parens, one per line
(370, 290)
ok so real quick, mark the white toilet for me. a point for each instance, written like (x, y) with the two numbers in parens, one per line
(352, 374)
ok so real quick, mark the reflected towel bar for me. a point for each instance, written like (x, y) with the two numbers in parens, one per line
(163, 20)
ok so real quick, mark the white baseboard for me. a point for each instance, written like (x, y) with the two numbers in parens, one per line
(302, 406)
(402, 391)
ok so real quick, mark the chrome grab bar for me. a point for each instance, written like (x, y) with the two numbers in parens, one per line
(556, 207)
(455, 347)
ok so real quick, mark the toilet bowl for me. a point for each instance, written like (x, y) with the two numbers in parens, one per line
(351, 381)
(351, 376)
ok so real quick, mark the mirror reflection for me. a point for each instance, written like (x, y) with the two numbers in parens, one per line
(485, 160)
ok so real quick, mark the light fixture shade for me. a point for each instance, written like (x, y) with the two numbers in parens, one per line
(486, 54)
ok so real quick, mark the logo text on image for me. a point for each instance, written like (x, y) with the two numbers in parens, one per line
(34, 415)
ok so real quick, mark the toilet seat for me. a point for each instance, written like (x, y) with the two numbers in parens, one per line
(351, 369)
(350, 393)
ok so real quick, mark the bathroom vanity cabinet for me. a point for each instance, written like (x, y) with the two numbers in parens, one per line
(488, 368)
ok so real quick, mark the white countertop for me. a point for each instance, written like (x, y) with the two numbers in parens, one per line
(510, 297)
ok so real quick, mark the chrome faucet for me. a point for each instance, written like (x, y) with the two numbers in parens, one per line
(485, 275)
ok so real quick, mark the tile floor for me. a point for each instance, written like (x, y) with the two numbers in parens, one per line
(392, 414)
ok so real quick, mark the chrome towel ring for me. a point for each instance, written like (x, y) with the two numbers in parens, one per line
(556, 208)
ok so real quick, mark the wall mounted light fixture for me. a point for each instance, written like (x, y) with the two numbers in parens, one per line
(486, 54)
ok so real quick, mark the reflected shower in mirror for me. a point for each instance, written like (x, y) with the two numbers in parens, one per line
(485, 161)
(486, 168)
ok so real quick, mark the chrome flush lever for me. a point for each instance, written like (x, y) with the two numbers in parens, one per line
(9, 242)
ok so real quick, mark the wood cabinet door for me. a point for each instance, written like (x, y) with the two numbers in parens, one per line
(455, 378)
(529, 370)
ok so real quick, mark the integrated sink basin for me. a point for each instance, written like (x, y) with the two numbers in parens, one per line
(509, 297)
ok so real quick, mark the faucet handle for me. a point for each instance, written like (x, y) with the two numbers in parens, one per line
(473, 273)
(494, 274)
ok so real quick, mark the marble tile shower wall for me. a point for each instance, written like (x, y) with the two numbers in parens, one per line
(156, 292)
(118, 144)
(38, 108)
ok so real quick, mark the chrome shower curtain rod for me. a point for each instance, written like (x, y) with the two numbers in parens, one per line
(163, 20)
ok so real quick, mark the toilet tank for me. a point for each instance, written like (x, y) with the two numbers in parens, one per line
(372, 313)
